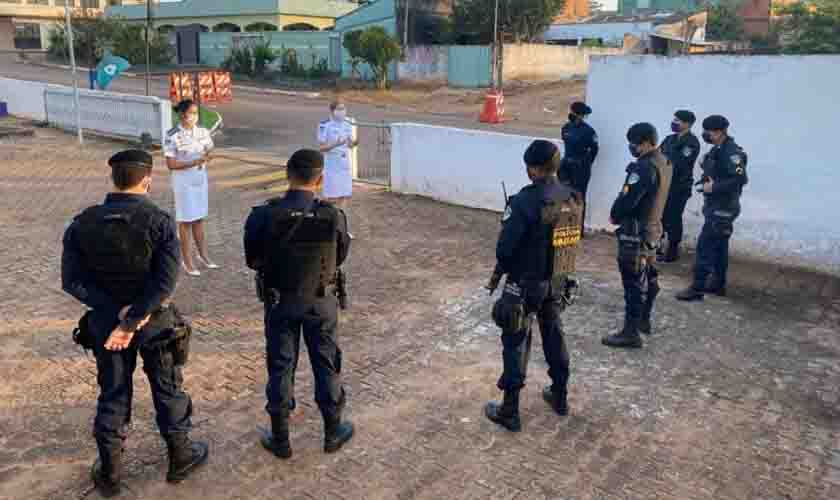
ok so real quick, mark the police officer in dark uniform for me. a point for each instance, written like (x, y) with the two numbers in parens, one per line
(638, 213)
(536, 250)
(724, 178)
(581, 148)
(296, 243)
(682, 149)
(121, 259)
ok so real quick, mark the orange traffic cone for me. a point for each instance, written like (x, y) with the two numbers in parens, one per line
(494, 107)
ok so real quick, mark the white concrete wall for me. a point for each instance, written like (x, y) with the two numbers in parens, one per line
(540, 62)
(783, 111)
(463, 167)
(24, 98)
(108, 113)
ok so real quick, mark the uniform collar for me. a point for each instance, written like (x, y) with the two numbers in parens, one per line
(125, 198)
(299, 194)
(549, 179)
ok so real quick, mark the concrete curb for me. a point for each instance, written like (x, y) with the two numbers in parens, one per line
(244, 88)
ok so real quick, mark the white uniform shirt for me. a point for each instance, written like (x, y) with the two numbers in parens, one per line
(189, 185)
(330, 132)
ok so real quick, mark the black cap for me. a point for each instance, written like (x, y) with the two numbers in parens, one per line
(305, 159)
(685, 116)
(131, 158)
(580, 108)
(540, 152)
(715, 122)
(642, 132)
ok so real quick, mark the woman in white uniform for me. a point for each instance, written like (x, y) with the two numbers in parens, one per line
(187, 149)
(335, 140)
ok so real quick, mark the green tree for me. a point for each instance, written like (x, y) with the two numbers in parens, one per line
(353, 43)
(379, 50)
(724, 24)
(519, 20)
(92, 34)
(811, 27)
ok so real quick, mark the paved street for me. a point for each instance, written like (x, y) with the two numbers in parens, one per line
(731, 398)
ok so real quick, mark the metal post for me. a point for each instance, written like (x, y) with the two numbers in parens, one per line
(148, 49)
(76, 107)
(405, 25)
(495, 45)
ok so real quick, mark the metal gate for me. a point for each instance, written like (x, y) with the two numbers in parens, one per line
(373, 156)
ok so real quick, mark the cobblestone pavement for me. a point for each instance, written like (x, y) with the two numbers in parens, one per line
(731, 398)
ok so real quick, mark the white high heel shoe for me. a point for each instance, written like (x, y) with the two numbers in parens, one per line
(194, 272)
(207, 263)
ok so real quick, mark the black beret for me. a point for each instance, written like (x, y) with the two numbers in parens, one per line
(580, 108)
(306, 159)
(641, 132)
(131, 158)
(715, 122)
(686, 116)
(540, 152)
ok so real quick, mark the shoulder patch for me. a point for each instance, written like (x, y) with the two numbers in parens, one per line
(594, 137)
(687, 151)
(736, 159)
(633, 178)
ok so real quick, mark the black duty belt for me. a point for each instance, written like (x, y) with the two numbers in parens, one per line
(275, 296)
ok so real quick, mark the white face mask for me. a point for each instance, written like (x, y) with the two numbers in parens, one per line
(340, 115)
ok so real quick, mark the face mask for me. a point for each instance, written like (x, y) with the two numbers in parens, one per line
(707, 137)
(572, 117)
(676, 128)
(634, 150)
(340, 115)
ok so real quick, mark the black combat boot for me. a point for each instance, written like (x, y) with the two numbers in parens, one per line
(690, 294)
(184, 456)
(715, 287)
(557, 400)
(628, 337)
(336, 433)
(672, 255)
(645, 325)
(507, 413)
(107, 471)
(277, 441)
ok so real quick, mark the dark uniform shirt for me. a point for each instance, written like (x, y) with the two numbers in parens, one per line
(726, 165)
(258, 223)
(520, 224)
(682, 151)
(77, 279)
(580, 141)
(638, 194)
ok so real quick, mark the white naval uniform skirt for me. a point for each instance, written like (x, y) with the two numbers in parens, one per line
(338, 177)
(191, 194)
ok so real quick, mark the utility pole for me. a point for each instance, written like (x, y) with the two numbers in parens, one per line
(496, 47)
(148, 49)
(405, 24)
(75, 75)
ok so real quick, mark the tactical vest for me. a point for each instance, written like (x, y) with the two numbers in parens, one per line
(117, 247)
(300, 250)
(664, 174)
(552, 254)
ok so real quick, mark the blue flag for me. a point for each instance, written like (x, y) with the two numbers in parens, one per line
(109, 68)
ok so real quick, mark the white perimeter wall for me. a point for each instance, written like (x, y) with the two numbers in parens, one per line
(108, 113)
(784, 112)
(463, 167)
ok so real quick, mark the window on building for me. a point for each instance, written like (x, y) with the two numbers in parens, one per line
(28, 36)
(90, 4)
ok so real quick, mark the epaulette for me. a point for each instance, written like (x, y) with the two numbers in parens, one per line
(172, 131)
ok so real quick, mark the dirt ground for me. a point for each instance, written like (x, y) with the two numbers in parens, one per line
(733, 398)
(533, 103)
